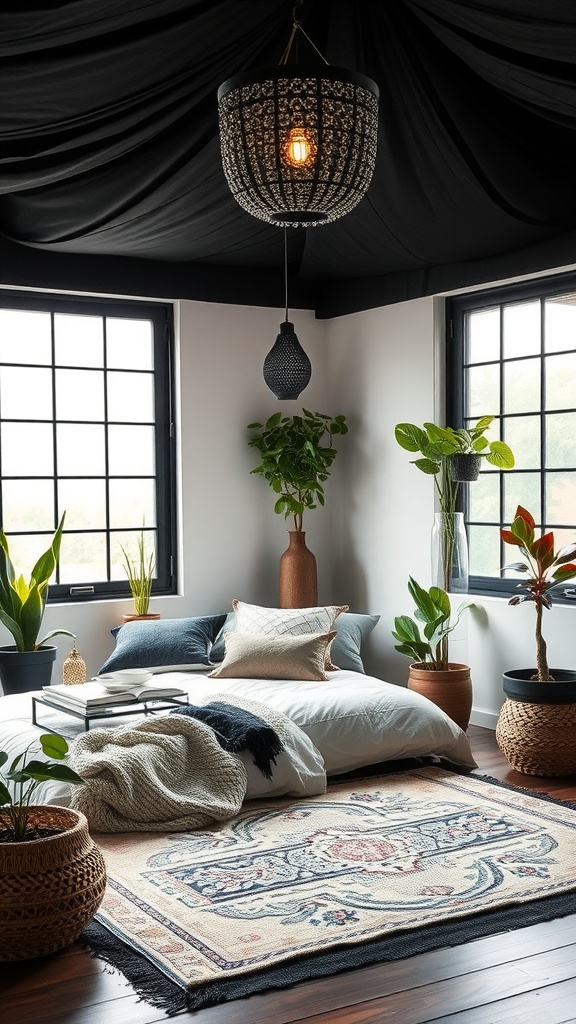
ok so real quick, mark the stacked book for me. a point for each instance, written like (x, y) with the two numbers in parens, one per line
(85, 696)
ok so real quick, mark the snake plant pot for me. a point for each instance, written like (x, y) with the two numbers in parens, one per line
(450, 689)
(50, 887)
(21, 671)
(536, 729)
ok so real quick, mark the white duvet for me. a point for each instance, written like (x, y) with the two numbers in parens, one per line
(348, 722)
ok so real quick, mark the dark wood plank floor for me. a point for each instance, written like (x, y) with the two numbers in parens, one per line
(522, 977)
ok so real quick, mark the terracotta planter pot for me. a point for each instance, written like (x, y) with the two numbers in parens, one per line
(49, 888)
(133, 617)
(450, 689)
(298, 585)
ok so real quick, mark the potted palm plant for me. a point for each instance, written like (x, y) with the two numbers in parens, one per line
(296, 456)
(445, 683)
(442, 450)
(536, 728)
(27, 663)
(140, 572)
(52, 875)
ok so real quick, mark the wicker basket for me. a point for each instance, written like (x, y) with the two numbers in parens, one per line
(538, 739)
(49, 888)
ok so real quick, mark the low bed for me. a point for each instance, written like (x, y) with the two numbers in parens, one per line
(352, 720)
(301, 670)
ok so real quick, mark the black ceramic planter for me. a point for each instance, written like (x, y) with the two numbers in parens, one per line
(519, 686)
(22, 671)
(465, 468)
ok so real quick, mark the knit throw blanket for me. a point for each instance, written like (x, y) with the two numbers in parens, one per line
(174, 773)
(163, 774)
(237, 729)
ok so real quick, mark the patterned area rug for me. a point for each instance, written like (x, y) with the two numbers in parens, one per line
(375, 869)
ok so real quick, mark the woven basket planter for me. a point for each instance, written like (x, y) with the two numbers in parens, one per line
(538, 739)
(49, 888)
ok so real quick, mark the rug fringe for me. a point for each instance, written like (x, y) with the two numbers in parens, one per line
(149, 983)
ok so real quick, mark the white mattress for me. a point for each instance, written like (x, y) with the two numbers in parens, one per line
(353, 720)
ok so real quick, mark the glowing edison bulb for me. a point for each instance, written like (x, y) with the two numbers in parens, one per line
(298, 150)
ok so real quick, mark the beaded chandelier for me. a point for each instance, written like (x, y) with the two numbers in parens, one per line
(298, 142)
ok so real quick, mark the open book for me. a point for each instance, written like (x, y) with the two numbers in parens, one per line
(94, 695)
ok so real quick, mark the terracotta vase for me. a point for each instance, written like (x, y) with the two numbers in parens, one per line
(149, 616)
(450, 689)
(298, 577)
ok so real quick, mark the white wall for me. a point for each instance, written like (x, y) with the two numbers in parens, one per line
(384, 370)
(231, 539)
(378, 367)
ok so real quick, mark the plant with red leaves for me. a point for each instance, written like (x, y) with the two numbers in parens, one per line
(546, 570)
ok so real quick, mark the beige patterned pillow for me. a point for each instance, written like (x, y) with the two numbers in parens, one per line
(273, 622)
(249, 656)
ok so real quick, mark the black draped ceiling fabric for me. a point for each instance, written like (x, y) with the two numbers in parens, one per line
(110, 169)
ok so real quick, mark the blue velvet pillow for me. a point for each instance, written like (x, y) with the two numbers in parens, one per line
(352, 628)
(164, 645)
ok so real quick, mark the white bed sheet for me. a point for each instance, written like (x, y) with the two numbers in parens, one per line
(352, 720)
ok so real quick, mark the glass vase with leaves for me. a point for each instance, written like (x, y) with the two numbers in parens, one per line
(296, 456)
(438, 446)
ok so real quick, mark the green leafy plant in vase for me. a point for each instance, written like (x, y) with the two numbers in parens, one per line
(440, 447)
(424, 639)
(296, 456)
(428, 649)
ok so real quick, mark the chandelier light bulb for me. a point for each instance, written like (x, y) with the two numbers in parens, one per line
(299, 149)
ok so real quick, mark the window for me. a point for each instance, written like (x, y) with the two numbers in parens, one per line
(86, 428)
(512, 354)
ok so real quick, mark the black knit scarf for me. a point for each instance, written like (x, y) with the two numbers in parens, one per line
(237, 729)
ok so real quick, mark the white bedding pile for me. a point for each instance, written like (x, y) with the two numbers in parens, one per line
(348, 722)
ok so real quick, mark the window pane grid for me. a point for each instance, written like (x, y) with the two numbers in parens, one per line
(36, 488)
(533, 330)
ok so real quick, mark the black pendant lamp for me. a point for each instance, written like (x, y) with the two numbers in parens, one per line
(287, 369)
(298, 141)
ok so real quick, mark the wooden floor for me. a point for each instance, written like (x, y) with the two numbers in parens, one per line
(522, 977)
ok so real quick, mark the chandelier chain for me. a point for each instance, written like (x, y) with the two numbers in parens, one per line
(297, 27)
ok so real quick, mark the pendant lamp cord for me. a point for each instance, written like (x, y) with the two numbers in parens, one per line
(286, 270)
(297, 27)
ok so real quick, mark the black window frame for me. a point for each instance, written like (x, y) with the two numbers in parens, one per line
(162, 316)
(457, 307)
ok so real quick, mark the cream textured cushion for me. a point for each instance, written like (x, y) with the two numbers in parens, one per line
(274, 622)
(276, 657)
